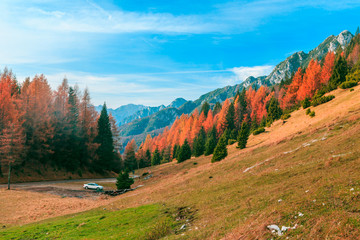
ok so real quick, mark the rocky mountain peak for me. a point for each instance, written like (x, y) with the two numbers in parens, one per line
(344, 38)
(177, 102)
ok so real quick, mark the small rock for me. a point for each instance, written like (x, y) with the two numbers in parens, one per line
(314, 200)
(352, 189)
(280, 200)
(301, 214)
(274, 229)
(307, 191)
(183, 227)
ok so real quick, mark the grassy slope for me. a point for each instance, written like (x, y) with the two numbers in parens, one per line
(312, 166)
(96, 224)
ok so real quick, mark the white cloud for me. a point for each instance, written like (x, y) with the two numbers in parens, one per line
(244, 72)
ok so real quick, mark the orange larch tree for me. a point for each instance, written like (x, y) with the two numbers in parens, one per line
(327, 67)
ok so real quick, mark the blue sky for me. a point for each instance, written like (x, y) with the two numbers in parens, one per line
(151, 52)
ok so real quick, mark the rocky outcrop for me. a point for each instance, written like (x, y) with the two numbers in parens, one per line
(301, 59)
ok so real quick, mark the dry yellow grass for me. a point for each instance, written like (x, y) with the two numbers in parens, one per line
(21, 207)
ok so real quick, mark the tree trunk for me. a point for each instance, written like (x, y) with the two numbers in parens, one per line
(9, 176)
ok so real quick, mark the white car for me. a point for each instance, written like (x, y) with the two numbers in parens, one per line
(93, 186)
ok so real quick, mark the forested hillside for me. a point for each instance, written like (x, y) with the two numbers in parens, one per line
(58, 129)
(209, 130)
(282, 72)
(61, 131)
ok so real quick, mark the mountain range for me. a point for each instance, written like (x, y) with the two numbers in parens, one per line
(136, 121)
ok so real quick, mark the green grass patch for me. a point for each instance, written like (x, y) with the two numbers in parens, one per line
(145, 222)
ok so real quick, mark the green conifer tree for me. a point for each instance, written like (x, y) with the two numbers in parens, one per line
(156, 159)
(254, 124)
(147, 160)
(243, 135)
(217, 108)
(211, 142)
(130, 162)
(274, 111)
(185, 152)
(243, 106)
(123, 181)
(230, 117)
(105, 151)
(199, 144)
(205, 108)
(220, 151)
(339, 73)
(175, 151)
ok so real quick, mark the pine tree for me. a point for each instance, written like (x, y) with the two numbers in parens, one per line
(254, 124)
(105, 151)
(220, 151)
(339, 73)
(130, 161)
(123, 181)
(230, 117)
(166, 155)
(156, 159)
(211, 142)
(274, 111)
(185, 152)
(72, 145)
(233, 134)
(205, 108)
(199, 144)
(147, 160)
(243, 135)
(175, 151)
(357, 31)
(217, 108)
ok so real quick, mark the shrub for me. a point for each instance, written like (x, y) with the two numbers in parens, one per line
(231, 141)
(258, 131)
(348, 84)
(308, 111)
(312, 114)
(354, 76)
(351, 90)
(321, 100)
(306, 103)
(285, 116)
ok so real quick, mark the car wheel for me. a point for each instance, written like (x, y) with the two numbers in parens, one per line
(86, 187)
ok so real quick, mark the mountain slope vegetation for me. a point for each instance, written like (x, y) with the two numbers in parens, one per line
(300, 173)
(282, 72)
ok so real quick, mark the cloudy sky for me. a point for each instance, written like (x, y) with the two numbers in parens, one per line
(151, 52)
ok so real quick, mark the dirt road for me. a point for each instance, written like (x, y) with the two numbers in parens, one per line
(64, 188)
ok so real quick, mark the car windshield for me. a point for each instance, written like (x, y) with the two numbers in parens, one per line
(95, 184)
